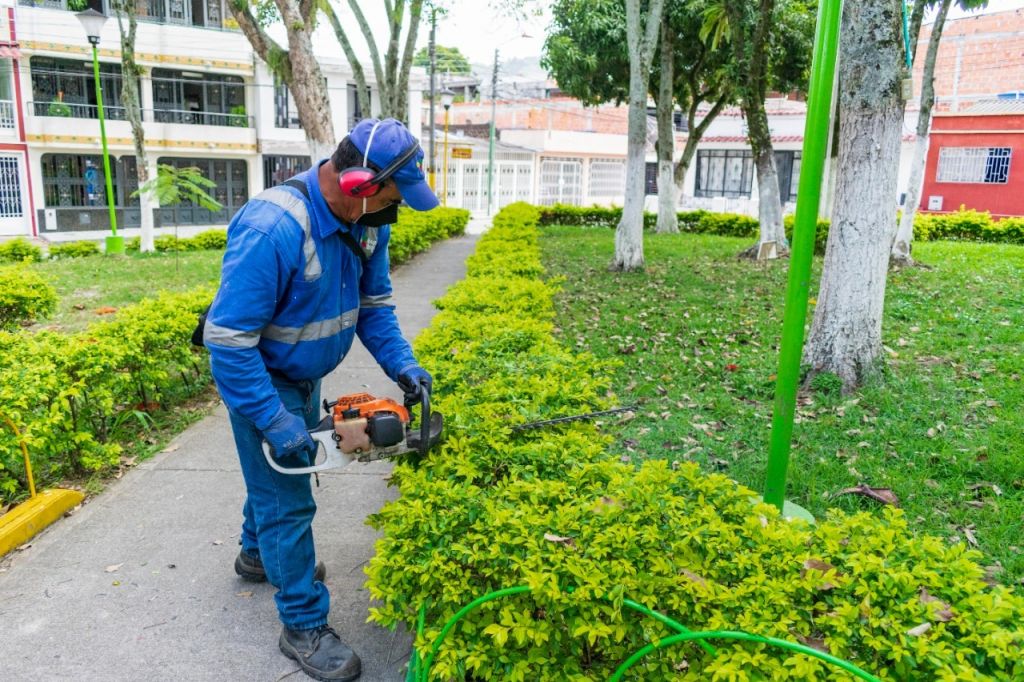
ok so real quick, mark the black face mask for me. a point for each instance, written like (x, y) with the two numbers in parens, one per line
(385, 216)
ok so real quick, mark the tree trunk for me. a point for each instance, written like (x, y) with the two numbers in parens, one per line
(905, 235)
(371, 44)
(668, 220)
(629, 236)
(415, 12)
(133, 112)
(772, 237)
(695, 132)
(297, 67)
(846, 334)
(362, 93)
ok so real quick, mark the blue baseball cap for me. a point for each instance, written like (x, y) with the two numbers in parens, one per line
(390, 139)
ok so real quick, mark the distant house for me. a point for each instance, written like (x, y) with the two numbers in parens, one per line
(971, 159)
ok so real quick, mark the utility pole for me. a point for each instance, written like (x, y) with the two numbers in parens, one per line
(433, 87)
(490, 150)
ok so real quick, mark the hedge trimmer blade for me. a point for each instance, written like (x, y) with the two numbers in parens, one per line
(573, 418)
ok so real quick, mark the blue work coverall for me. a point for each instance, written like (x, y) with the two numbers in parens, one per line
(292, 297)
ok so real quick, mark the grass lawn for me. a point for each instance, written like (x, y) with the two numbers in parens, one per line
(97, 283)
(697, 335)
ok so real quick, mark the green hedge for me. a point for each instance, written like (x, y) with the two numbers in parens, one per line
(24, 297)
(963, 225)
(415, 231)
(78, 249)
(556, 510)
(20, 250)
(69, 393)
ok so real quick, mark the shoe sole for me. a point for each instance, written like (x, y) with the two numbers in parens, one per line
(294, 655)
(319, 573)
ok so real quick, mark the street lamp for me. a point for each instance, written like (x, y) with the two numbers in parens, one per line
(447, 97)
(92, 22)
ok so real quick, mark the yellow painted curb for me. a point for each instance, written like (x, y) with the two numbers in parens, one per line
(19, 525)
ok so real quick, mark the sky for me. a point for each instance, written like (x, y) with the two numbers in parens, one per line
(477, 28)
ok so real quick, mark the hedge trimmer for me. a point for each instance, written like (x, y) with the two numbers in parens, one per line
(364, 428)
(572, 418)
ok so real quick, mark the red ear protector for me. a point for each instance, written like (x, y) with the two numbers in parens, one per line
(362, 182)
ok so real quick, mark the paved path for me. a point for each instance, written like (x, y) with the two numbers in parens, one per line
(173, 609)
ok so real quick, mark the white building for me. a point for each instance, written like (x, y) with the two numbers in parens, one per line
(207, 101)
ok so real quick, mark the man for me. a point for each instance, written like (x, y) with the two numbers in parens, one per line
(306, 269)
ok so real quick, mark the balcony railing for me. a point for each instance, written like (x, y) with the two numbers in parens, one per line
(69, 110)
(6, 114)
(215, 14)
(59, 109)
(206, 118)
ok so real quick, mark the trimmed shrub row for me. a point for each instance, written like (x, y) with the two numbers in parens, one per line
(203, 241)
(24, 297)
(70, 393)
(79, 249)
(962, 225)
(20, 250)
(556, 509)
(416, 231)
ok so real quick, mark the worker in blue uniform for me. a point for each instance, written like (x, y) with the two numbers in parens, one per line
(305, 271)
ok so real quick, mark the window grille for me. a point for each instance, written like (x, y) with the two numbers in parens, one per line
(10, 187)
(77, 180)
(607, 177)
(67, 87)
(724, 173)
(204, 99)
(286, 114)
(277, 169)
(232, 191)
(561, 181)
(986, 165)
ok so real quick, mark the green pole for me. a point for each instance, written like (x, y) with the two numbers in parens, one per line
(819, 112)
(115, 244)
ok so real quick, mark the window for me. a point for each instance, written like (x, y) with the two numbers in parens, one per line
(66, 87)
(651, 178)
(724, 173)
(730, 173)
(355, 112)
(277, 169)
(607, 177)
(232, 191)
(10, 187)
(203, 99)
(286, 114)
(560, 181)
(77, 180)
(987, 165)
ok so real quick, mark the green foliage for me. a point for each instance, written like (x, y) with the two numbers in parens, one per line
(415, 231)
(820, 233)
(173, 185)
(58, 108)
(20, 250)
(238, 117)
(77, 249)
(24, 296)
(968, 225)
(209, 239)
(555, 509)
(448, 59)
(700, 221)
(827, 384)
(74, 395)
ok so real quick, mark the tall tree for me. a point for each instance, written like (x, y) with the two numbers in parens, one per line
(296, 66)
(642, 23)
(846, 334)
(127, 12)
(770, 40)
(905, 234)
(585, 52)
(449, 60)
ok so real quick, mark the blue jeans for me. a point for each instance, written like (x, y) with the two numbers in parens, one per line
(278, 513)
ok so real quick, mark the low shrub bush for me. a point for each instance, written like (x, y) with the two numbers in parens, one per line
(24, 297)
(20, 250)
(415, 231)
(70, 393)
(555, 509)
(78, 249)
(820, 234)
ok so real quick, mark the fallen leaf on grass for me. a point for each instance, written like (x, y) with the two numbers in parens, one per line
(113, 567)
(978, 486)
(883, 495)
(106, 310)
(969, 534)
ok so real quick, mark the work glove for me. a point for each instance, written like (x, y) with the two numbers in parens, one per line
(287, 434)
(413, 380)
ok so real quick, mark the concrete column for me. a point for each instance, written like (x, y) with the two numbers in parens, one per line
(146, 94)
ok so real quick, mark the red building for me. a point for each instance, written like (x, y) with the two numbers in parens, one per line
(974, 160)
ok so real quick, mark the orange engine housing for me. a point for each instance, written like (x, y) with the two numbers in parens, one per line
(368, 405)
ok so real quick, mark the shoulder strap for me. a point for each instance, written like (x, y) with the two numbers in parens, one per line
(346, 237)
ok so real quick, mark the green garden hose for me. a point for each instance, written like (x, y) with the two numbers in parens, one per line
(420, 671)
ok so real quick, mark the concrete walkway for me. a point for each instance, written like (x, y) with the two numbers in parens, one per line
(139, 583)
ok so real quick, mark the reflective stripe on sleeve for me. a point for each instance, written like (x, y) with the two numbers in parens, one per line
(296, 207)
(381, 301)
(229, 338)
(312, 331)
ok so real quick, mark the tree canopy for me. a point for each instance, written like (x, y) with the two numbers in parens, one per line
(449, 60)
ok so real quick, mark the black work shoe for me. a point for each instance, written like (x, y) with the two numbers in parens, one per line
(321, 654)
(251, 568)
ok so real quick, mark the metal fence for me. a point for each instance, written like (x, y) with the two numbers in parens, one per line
(115, 113)
(10, 187)
(6, 114)
(58, 109)
(561, 181)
